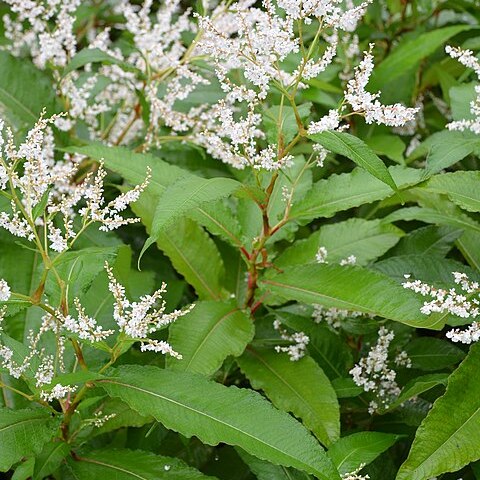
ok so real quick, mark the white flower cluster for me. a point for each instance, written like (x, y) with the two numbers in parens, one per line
(32, 170)
(5, 292)
(355, 475)
(464, 305)
(58, 392)
(300, 341)
(139, 319)
(100, 419)
(374, 374)
(44, 29)
(334, 316)
(322, 254)
(368, 104)
(469, 60)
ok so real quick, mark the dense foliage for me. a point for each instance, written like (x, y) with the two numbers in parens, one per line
(239, 240)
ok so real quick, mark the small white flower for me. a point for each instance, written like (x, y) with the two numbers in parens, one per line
(5, 292)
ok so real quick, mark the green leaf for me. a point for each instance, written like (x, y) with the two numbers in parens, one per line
(191, 250)
(389, 145)
(299, 387)
(419, 385)
(354, 289)
(267, 471)
(430, 354)
(50, 459)
(23, 432)
(95, 55)
(192, 405)
(350, 452)
(366, 239)
(207, 335)
(449, 437)
(133, 166)
(184, 196)
(24, 90)
(430, 240)
(358, 151)
(348, 190)
(130, 465)
(409, 53)
(460, 187)
(445, 148)
(430, 215)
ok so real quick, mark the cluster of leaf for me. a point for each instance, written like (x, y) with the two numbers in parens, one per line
(233, 408)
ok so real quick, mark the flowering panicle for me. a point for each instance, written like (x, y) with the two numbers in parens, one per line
(374, 373)
(139, 319)
(464, 305)
(32, 170)
(469, 60)
(368, 104)
(300, 341)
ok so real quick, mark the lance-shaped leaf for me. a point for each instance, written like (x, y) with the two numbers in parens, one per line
(449, 436)
(24, 91)
(299, 387)
(348, 190)
(130, 465)
(357, 151)
(366, 239)
(192, 405)
(460, 187)
(207, 335)
(191, 250)
(350, 452)
(409, 53)
(50, 459)
(184, 196)
(23, 432)
(354, 289)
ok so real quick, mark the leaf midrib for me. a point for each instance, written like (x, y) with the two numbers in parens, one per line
(214, 419)
(210, 332)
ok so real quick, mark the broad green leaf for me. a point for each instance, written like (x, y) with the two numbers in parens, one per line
(430, 240)
(50, 459)
(192, 252)
(348, 190)
(460, 187)
(468, 243)
(449, 437)
(430, 215)
(24, 91)
(268, 471)
(461, 97)
(351, 288)
(219, 220)
(95, 55)
(389, 145)
(350, 452)
(358, 151)
(299, 387)
(22, 433)
(184, 196)
(130, 465)
(366, 239)
(419, 385)
(346, 387)
(430, 354)
(133, 166)
(445, 148)
(24, 470)
(192, 405)
(409, 53)
(18, 266)
(207, 335)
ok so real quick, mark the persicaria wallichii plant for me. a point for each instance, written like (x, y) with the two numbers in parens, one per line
(239, 239)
